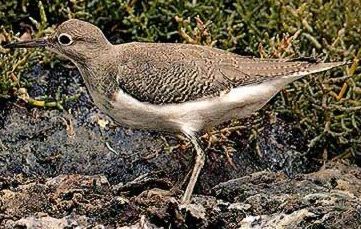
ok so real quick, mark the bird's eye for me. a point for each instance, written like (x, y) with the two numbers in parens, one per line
(65, 39)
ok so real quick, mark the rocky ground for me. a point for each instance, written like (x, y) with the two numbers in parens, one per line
(76, 169)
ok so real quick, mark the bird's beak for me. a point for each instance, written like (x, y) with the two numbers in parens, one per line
(35, 43)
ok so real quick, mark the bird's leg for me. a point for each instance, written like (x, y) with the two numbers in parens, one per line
(199, 162)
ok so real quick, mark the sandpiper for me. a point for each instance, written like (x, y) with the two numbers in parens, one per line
(175, 88)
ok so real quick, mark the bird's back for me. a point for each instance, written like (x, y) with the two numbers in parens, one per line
(176, 73)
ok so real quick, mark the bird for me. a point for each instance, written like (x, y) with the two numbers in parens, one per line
(174, 88)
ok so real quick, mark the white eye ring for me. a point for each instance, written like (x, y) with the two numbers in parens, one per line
(65, 39)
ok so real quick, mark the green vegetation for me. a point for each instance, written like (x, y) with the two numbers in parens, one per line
(327, 108)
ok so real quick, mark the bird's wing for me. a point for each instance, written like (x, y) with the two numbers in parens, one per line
(175, 73)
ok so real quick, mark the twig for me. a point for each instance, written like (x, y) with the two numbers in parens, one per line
(58, 104)
(111, 149)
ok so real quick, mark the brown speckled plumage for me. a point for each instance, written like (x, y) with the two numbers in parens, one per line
(175, 73)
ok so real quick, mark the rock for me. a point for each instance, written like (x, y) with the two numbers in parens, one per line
(316, 200)
(142, 224)
(330, 198)
(195, 214)
(44, 221)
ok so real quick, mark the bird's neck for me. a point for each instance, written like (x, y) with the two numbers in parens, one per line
(99, 73)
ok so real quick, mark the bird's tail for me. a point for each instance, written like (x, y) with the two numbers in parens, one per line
(316, 67)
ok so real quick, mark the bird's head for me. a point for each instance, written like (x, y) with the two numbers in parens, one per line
(74, 39)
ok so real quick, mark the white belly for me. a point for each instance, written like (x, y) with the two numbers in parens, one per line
(193, 116)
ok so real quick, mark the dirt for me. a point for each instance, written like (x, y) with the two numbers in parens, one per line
(75, 168)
